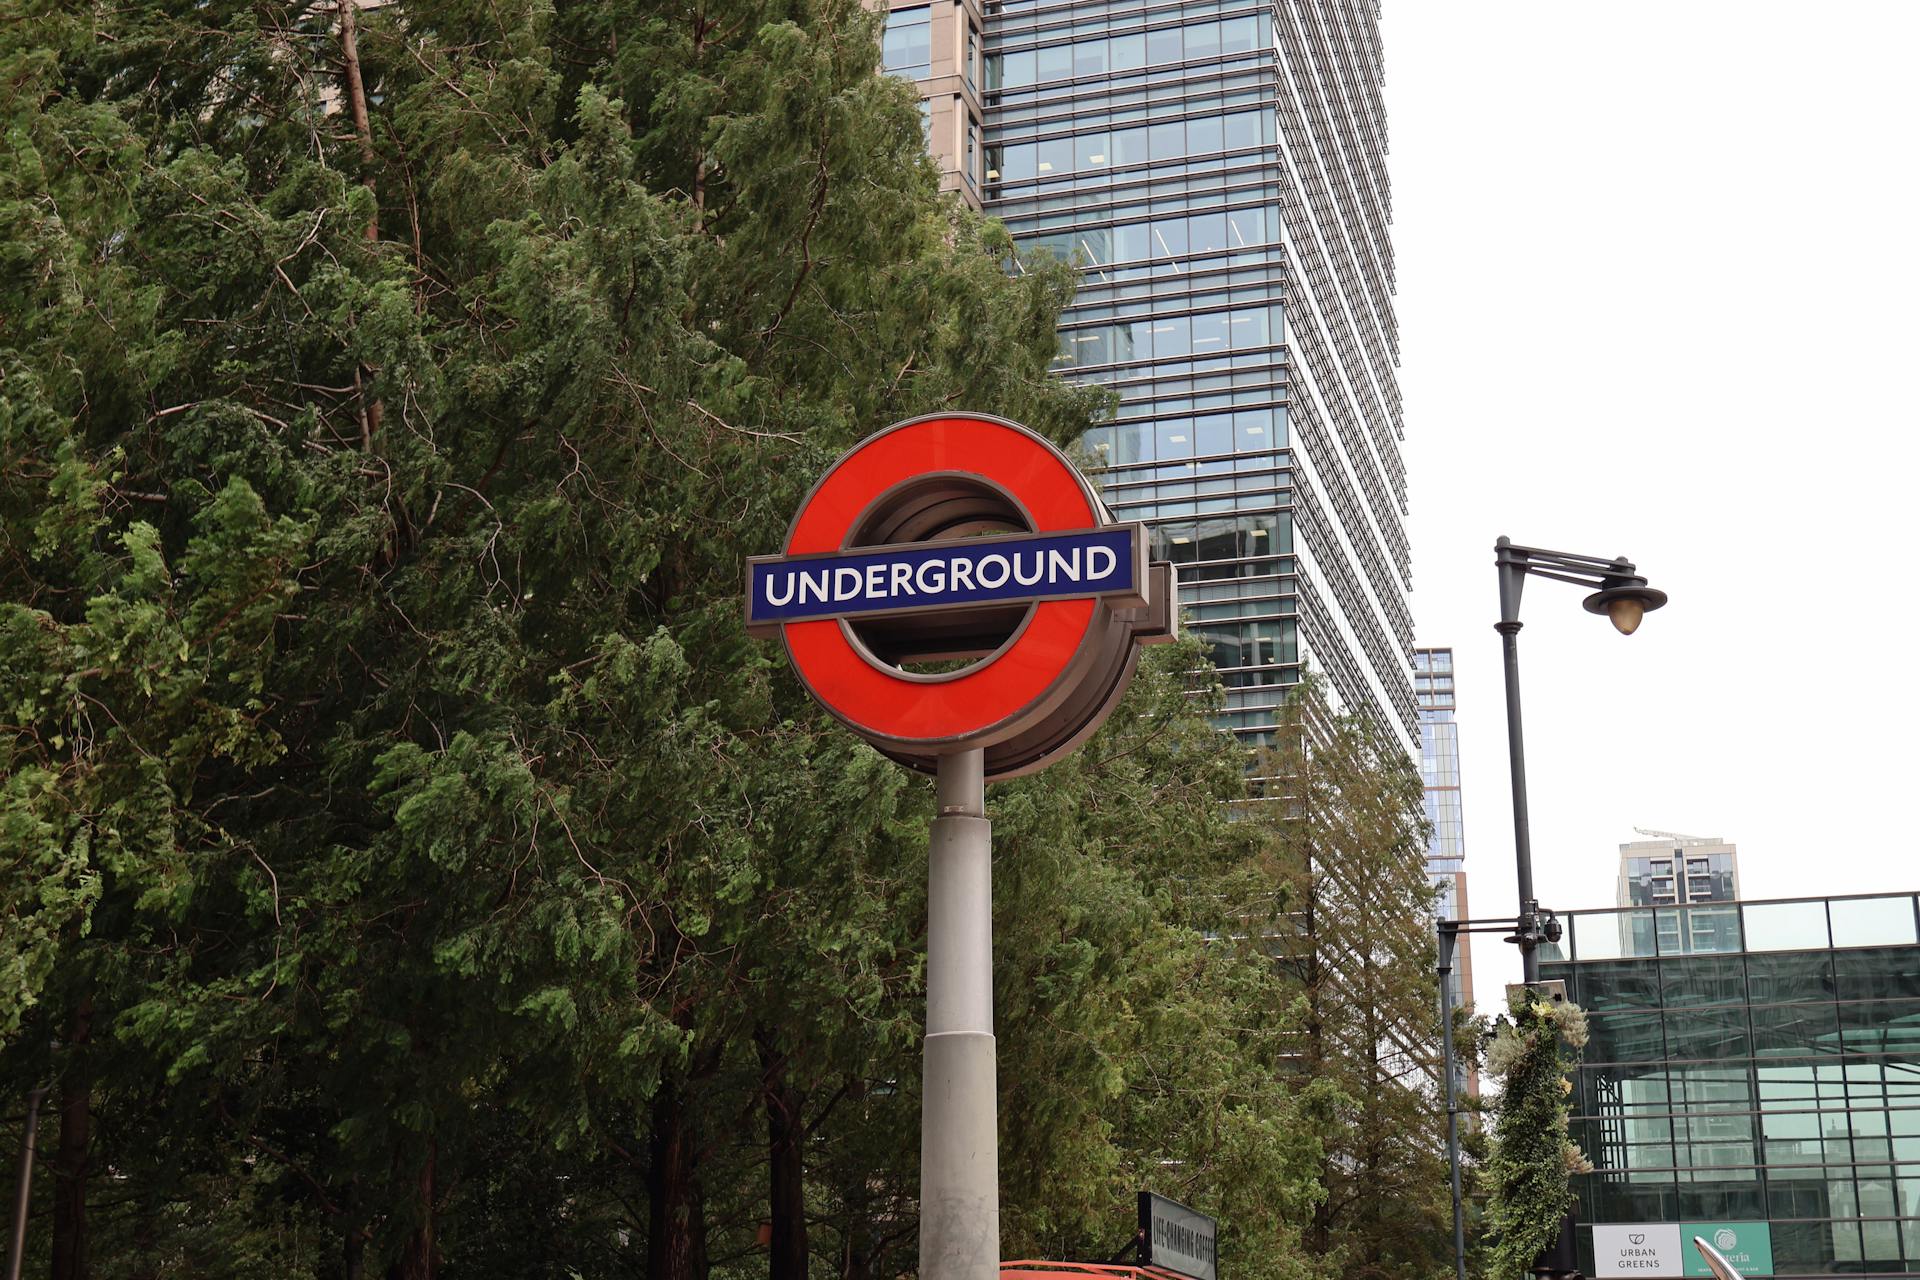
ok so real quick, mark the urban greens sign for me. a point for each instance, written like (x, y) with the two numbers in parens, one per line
(1665, 1250)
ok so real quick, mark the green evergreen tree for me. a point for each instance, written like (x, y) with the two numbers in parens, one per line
(406, 861)
(1347, 801)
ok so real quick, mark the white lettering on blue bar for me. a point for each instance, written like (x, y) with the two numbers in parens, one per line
(946, 575)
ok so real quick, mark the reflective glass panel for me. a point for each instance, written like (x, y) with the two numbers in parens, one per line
(1794, 1030)
(1172, 440)
(1708, 1034)
(1207, 232)
(1624, 1037)
(1789, 978)
(1872, 922)
(1210, 333)
(1250, 328)
(1213, 434)
(1017, 162)
(1786, 926)
(1703, 980)
(1203, 135)
(1172, 336)
(1056, 157)
(1872, 973)
(1623, 984)
(1241, 130)
(907, 46)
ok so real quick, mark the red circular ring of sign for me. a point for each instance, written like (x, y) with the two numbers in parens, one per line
(1021, 673)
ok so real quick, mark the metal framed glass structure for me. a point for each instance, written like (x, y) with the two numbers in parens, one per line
(1755, 1064)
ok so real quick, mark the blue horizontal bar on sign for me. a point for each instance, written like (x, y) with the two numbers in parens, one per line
(926, 577)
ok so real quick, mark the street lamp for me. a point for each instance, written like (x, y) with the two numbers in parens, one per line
(1624, 596)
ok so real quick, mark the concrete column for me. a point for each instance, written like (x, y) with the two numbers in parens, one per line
(959, 1145)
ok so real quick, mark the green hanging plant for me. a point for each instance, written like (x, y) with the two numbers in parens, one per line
(1533, 1055)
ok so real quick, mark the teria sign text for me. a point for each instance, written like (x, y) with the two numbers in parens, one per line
(963, 572)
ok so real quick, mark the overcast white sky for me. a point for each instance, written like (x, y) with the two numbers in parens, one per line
(1658, 265)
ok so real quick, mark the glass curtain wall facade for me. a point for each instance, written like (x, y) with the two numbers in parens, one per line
(1216, 170)
(1760, 1070)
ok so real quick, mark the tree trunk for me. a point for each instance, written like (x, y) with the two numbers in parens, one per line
(70, 1160)
(418, 1259)
(356, 92)
(146, 1239)
(355, 88)
(676, 1217)
(786, 1197)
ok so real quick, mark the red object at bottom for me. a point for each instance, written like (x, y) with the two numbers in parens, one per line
(1029, 1269)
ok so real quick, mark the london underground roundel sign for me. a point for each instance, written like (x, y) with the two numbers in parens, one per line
(953, 582)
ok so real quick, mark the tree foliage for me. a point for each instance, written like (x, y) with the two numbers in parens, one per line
(1348, 805)
(406, 861)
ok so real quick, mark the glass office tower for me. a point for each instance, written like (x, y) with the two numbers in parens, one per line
(1753, 1070)
(1217, 171)
(1433, 691)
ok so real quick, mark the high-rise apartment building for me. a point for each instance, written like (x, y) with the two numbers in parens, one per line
(1668, 869)
(1216, 169)
(1433, 691)
(1671, 870)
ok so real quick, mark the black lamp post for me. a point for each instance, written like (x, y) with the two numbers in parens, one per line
(1624, 596)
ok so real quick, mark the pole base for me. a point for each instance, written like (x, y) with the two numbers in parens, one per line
(959, 1160)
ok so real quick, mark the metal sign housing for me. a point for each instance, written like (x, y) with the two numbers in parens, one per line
(953, 582)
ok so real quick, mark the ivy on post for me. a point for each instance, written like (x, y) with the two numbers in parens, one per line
(1533, 1054)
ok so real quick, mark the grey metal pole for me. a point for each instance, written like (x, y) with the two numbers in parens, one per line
(1511, 562)
(959, 1144)
(1512, 565)
(1522, 830)
(23, 1185)
(1447, 940)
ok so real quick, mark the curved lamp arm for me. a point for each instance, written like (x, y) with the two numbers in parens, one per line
(1619, 590)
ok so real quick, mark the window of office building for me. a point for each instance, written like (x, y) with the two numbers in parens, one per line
(1106, 55)
(907, 47)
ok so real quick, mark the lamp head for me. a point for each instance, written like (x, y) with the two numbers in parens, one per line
(1625, 601)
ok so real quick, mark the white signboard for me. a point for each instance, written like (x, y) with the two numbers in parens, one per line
(1645, 1250)
(1177, 1238)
